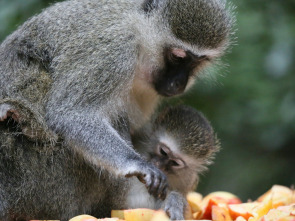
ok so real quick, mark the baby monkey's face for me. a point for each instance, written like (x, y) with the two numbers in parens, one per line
(166, 160)
(179, 168)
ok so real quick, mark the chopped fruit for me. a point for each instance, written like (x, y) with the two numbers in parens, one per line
(289, 209)
(277, 204)
(138, 214)
(221, 199)
(197, 215)
(194, 200)
(82, 218)
(117, 213)
(160, 216)
(244, 210)
(260, 210)
(207, 208)
(287, 218)
(240, 218)
(280, 196)
(274, 214)
(228, 197)
(106, 219)
(220, 214)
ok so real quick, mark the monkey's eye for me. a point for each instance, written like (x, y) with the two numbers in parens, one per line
(177, 163)
(163, 150)
(177, 54)
(202, 58)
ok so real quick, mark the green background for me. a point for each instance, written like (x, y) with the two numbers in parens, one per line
(249, 98)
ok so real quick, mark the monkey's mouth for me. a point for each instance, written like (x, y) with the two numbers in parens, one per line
(171, 86)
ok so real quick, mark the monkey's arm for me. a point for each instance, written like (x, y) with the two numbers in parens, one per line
(93, 136)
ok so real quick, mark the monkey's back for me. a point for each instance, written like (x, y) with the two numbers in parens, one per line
(67, 47)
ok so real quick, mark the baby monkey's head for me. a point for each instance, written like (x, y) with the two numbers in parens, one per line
(181, 142)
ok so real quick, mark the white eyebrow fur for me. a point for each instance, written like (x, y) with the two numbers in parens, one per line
(169, 141)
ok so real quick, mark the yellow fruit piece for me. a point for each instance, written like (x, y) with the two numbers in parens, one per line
(160, 216)
(82, 217)
(197, 215)
(117, 214)
(138, 214)
(261, 210)
(194, 200)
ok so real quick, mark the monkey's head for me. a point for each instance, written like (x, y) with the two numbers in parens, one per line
(184, 144)
(181, 38)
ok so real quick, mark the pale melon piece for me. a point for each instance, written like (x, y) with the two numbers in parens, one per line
(138, 214)
(160, 216)
(82, 218)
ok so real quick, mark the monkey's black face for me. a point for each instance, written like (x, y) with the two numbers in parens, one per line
(179, 68)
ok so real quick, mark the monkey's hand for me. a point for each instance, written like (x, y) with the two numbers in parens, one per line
(175, 206)
(154, 179)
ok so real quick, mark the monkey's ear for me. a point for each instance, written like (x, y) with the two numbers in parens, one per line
(149, 5)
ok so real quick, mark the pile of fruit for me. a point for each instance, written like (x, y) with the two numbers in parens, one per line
(277, 204)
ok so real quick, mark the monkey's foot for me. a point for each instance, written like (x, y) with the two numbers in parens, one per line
(6, 111)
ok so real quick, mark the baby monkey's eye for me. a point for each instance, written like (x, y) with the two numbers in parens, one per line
(177, 163)
(163, 149)
(203, 58)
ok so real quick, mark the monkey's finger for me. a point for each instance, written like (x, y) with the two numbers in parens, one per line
(149, 181)
(164, 193)
(155, 186)
(163, 187)
(141, 179)
(130, 175)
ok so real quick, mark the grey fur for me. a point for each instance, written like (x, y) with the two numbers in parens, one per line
(194, 141)
(75, 71)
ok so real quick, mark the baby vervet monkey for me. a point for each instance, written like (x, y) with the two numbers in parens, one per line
(181, 143)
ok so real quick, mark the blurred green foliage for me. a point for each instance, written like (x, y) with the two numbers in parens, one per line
(250, 100)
